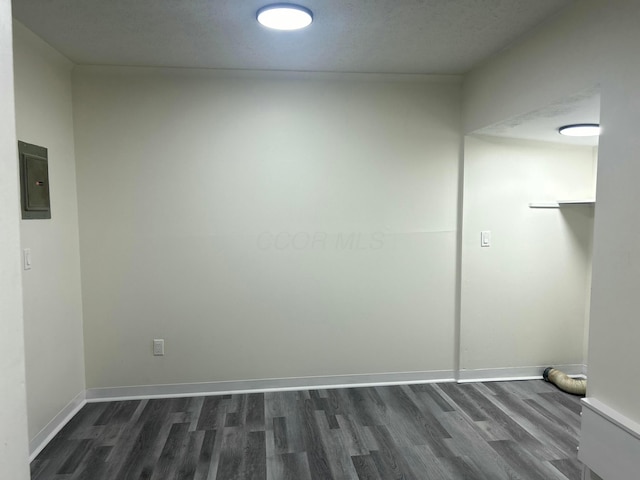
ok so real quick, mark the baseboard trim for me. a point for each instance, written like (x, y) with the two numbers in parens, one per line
(609, 441)
(588, 474)
(108, 394)
(516, 373)
(44, 436)
(265, 385)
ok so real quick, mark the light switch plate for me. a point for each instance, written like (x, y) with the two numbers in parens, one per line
(26, 258)
(485, 238)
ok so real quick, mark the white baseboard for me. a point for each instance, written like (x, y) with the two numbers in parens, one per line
(44, 436)
(587, 474)
(609, 441)
(265, 385)
(516, 373)
(135, 392)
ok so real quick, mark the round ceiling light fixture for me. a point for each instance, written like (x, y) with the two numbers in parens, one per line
(284, 16)
(580, 130)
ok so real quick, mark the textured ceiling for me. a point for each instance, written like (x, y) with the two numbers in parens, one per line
(384, 36)
(543, 124)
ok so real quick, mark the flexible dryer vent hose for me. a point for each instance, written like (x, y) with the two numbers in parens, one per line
(577, 386)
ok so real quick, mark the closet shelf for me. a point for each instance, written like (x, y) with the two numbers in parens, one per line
(562, 203)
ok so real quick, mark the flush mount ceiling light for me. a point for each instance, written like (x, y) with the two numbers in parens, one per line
(580, 130)
(284, 16)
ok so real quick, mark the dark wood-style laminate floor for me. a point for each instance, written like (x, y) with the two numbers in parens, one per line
(494, 431)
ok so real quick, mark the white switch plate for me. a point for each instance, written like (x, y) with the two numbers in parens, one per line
(485, 238)
(158, 346)
(26, 258)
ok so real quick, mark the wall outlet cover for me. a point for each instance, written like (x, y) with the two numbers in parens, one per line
(158, 346)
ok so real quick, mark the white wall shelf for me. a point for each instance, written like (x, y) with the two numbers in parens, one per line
(561, 203)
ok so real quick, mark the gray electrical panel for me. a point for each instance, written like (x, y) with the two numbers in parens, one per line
(34, 181)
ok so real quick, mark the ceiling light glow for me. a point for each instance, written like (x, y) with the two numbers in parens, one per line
(284, 16)
(580, 130)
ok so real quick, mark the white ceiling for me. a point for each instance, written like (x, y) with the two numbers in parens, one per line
(382, 36)
(543, 124)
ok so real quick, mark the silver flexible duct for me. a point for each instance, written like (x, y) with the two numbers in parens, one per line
(576, 386)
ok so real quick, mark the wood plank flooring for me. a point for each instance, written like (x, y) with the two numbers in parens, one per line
(494, 431)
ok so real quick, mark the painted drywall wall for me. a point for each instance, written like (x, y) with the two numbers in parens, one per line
(51, 289)
(524, 298)
(526, 77)
(13, 418)
(266, 226)
(590, 43)
(589, 279)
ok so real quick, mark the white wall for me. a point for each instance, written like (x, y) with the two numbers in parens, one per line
(13, 420)
(567, 55)
(524, 298)
(214, 209)
(52, 293)
(591, 43)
